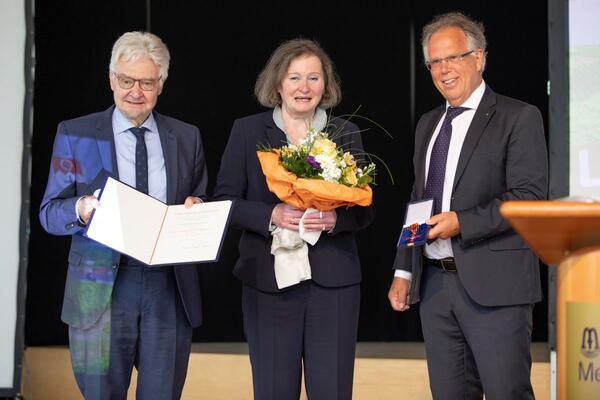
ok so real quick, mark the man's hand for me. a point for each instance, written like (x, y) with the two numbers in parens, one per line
(320, 221)
(191, 200)
(286, 216)
(398, 294)
(85, 207)
(444, 225)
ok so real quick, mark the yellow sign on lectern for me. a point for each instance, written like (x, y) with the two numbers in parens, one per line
(583, 351)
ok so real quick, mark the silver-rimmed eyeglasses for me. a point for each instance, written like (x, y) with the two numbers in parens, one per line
(127, 82)
(437, 63)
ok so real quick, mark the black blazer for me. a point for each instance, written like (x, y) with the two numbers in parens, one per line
(503, 158)
(334, 258)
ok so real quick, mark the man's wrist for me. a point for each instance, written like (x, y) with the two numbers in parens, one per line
(79, 220)
(400, 273)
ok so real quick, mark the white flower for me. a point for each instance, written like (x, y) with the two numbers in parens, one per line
(330, 171)
(325, 160)
(331, 174)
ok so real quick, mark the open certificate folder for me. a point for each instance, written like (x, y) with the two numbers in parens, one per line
(150, 231)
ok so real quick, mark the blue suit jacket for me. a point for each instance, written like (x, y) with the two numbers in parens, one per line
(83, 155)
(333, 259)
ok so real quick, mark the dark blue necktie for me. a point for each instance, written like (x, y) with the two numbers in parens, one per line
(141, 160)
(437, 162)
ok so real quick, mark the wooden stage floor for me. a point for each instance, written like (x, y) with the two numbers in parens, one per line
(221, 371)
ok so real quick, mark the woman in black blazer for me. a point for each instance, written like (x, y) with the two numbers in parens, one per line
(314, 322)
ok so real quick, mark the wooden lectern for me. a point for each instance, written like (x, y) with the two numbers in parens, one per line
(567, 234)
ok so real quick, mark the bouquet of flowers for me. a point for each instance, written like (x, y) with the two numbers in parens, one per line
(316, 174)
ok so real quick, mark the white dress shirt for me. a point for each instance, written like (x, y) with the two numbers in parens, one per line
(442, 248)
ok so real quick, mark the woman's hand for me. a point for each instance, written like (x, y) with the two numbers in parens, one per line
(287, 217)
(320, 221)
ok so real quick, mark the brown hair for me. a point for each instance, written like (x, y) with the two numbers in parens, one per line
(270, 77)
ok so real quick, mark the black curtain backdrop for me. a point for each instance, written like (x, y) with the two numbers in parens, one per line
(217, 51)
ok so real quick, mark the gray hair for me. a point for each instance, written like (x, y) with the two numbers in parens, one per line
(132, 46)
(474, 31)
(270, 77)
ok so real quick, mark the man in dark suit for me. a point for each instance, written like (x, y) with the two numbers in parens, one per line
(121, 312)
(476, 280)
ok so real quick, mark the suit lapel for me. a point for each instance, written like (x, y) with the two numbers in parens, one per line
(422, 151)
(168, 142)
(105, 139)
(481, 118)
(275, 136)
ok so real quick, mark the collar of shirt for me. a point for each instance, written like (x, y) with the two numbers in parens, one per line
(474, 99)
(319, 121)
(121, 124)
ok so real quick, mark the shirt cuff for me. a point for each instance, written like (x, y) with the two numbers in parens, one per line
(400, 273)
(79, 220)
(271, 226)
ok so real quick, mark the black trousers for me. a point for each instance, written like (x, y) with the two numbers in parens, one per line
(473, 349)
(306, 325)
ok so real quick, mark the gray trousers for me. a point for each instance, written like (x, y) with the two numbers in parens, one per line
(472, 349)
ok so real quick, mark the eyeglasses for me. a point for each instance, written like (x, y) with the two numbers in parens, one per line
(437, 63)
(125, 82)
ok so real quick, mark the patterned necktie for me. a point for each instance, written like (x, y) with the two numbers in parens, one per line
(141, 160)
(437, 161)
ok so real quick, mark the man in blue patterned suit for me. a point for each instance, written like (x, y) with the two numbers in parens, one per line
(121, 312)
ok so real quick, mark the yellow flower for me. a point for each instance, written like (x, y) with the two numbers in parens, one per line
(350, 176)
(286, 151)
(349, 159)
(323, 146)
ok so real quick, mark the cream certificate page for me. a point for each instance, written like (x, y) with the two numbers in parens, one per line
(192, 234)
(148, 230)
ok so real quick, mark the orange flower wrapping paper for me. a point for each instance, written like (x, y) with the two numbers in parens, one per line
(309, 193)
